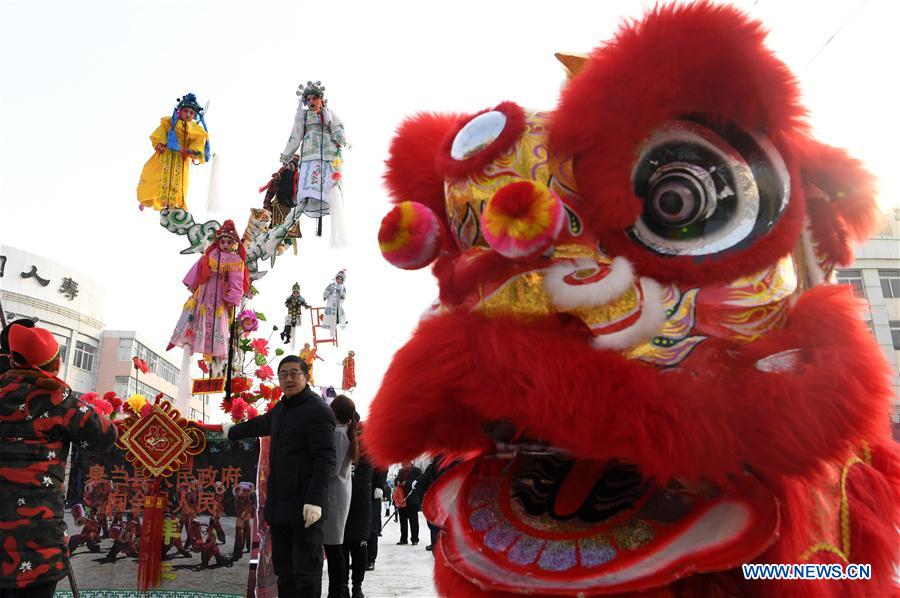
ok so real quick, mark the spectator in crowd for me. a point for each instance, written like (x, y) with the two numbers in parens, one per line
(359, 520)
(339, 487)
(301, 461)
(438, 466)
(379, 493)
(39, 417)
(408, 502)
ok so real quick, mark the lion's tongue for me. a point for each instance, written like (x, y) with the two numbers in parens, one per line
(575, 487)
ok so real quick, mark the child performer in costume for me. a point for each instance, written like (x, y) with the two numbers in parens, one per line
(294, 304)
(217, 281)
(309, 356)
(319, 134)
(349, 371)
(177, 141)
(334, 296)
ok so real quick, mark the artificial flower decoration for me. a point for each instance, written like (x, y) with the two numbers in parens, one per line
(146, 409)
(136, 402)
(100, 406)
(240, 384)
(226, 405)
(239, 410)
(266, 391)
(265, 373)
(113, 400)
(140, 364)
(251, 412)
(248, 320)
(261, 346)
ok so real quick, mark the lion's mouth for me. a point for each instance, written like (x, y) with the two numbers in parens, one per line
(541, 522)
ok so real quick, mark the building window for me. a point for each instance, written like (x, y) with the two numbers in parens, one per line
(890, 283)
(895, 333)
(63, 347)
(84, 356)
(125, 352)
(853, 279)
(157, 364)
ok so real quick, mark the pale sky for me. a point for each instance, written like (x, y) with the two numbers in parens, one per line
(83, 85)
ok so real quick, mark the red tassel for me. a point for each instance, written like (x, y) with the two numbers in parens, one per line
(150, 554)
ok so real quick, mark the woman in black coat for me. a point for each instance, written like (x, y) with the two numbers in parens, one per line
(359, 523)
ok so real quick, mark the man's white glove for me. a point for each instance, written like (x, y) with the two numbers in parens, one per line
(379, 493)
(413, 487)
(225, 427)
(311, 514)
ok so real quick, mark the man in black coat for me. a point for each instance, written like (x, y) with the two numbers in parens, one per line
(301, 461)
(379, 491)
(359, 522)
(409, 513)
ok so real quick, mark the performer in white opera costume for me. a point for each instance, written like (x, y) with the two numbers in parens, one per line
(319, 135)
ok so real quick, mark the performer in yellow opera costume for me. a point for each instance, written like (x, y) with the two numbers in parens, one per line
(177, 141)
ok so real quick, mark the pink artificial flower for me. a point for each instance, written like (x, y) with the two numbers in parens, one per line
(265, 373)
(248, 320)
(239, 410)
(261, 346)
(251, 412)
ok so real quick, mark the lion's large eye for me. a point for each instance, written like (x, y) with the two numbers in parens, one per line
(704, 192)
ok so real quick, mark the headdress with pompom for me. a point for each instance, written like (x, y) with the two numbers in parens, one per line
(311, 89)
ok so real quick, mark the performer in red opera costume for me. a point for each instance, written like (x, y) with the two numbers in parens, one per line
(349, 377)
(703, 398)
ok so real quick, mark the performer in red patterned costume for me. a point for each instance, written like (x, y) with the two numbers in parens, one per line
(38, 419)
(635, 343)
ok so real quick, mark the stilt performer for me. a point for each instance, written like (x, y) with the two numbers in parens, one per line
(319, 135)
(178, 141)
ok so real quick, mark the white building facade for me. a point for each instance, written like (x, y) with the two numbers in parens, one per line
(874, 276)
(63, 301)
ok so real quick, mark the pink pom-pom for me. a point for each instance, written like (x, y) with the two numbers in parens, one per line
(410, 236)
(251, 412)
(522, 219)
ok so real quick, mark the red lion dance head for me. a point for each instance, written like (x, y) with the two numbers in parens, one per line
(635, 346)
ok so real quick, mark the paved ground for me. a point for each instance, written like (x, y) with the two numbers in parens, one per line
(92, 573)
(399, 571)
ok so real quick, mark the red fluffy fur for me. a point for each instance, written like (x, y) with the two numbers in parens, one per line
(556, 387)
(679, 61)
(841, 198)
(515, 124)
(410, 171)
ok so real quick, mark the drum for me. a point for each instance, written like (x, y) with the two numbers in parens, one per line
(115, 532)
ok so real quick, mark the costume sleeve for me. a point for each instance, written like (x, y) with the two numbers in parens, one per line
(159, 135)
(304, 303)
(296, 137)
(343, 293)
(287, 302)
(337, 130)
(85, 426)
(261, 425)
(322, 449)
(235, 284)
(197, 137)
(191, 279)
